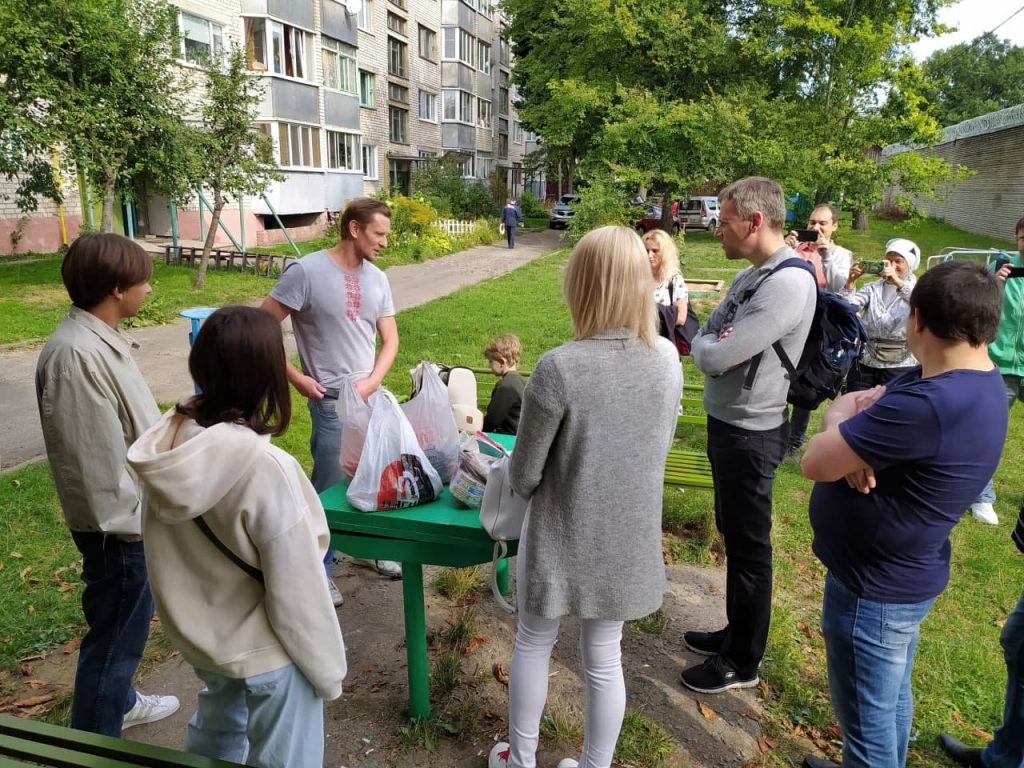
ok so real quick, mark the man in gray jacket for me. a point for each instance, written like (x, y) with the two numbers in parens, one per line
(745, 398)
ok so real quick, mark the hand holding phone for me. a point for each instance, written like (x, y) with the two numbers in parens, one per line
(871, 267)
(807, 235)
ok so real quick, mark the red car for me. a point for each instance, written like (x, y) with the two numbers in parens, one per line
(651, 219)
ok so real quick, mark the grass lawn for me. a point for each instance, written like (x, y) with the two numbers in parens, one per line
(959, 676)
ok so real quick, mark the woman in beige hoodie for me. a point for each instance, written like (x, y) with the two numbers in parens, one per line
(234, 537)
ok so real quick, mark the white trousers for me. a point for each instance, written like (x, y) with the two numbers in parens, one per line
(604, 688)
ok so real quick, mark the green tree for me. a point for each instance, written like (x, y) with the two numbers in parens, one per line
(974, 78)
(236, 159)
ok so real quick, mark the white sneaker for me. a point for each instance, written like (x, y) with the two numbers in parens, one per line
(388, 568)
(149, 708)
(336, 597)
(499, 755)
(983, 512)
(568, 762)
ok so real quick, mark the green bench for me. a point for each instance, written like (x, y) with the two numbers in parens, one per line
(31, 743)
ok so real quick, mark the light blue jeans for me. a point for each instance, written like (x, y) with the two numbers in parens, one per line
(1006, 750)
(325, 446)
(869, 647)
(274, 720)
(1014, 392)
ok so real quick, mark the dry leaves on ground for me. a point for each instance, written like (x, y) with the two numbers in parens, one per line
(500, 672)
(707, 711)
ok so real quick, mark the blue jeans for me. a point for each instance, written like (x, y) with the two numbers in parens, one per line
(1014, 392)
(118, 608)
(1006, 750)
(869, 647)
(325, 446)
(273, 720)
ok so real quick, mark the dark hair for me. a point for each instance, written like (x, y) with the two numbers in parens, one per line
(959, 301)
(362, 210)
(97, 263)
(831, 209)
(1020, 226)
(238, 363)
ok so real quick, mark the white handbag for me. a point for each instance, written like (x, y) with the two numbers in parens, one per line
(502, 514)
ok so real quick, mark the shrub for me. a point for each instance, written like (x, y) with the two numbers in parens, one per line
(410, 216)
(600, 203)
(531, 207)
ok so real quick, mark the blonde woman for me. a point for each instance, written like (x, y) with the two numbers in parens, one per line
(669, 286)
(597, 420)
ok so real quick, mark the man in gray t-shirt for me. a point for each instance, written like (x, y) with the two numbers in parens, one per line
(339, 302)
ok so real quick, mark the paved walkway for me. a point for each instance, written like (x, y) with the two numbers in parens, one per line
(163, 356)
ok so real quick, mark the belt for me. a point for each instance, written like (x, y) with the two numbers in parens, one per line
(330, 393)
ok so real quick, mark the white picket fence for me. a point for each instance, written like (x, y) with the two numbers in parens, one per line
(454, 226)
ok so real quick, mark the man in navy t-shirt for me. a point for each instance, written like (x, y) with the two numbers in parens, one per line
(895, 468)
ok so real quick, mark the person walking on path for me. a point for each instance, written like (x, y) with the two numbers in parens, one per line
(339, 302)
(745, 398)
(93, 404)
(234, 550)
(598, 418)
(511, 216)
(894, 468)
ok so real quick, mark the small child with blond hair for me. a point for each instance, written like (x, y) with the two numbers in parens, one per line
(503, 354)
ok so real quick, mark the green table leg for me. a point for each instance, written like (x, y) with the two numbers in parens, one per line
(416, 640)
(502, 576)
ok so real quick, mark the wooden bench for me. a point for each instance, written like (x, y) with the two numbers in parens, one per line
(31, 743)
(257, 263)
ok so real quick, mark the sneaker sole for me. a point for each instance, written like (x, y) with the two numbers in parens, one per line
(373, 567)
(150, 719)
(752, 683)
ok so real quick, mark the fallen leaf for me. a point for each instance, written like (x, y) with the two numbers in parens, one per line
(958, 718)
(1001, 623)
(500, 672)
(764, 744)
(37, 684)
(27, 670)
(24, 572)
(805, 629)
(707, 711)
(31, 609)
(32, 701)
(980, 734)
(16, 554)
(834, 732)
(475, 642)
(762, 686)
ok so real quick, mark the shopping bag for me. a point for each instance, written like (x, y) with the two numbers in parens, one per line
(433, 423)
(393, 473)
(502, 514)
(470, 477)
(354, 413)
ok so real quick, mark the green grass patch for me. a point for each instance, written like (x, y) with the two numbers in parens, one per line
(463, 624)
(561, 728)
(445, 673)
(457, 583)
(643, 743)
(652, 624)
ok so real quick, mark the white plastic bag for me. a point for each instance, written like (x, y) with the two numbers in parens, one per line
(354, 413)
(431, 418)
(502, 514)
(393, 473)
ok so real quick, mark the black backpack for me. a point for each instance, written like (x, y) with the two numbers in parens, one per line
(680, 335)
(833, 345)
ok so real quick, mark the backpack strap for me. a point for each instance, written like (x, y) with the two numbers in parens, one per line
(249, 570)
(755, 361)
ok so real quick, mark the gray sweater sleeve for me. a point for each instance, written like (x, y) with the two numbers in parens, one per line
(774, 310)
(540, 420)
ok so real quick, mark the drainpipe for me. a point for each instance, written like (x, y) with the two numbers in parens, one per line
(60, 205)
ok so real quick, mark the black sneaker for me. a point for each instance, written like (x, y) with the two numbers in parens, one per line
(810, 761)
(704, 643)
(715, 676)
(960, 752)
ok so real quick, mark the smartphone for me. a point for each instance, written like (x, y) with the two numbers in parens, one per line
(1015, 272)
(807, 235)
(871, 267)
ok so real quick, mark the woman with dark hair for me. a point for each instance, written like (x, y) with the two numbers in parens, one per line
(234, 536)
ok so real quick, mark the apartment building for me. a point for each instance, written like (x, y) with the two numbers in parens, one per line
(356, 95)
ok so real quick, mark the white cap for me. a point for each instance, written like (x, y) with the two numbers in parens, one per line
(907, 249)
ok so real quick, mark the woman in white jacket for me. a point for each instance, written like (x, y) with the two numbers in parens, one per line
(234, 536)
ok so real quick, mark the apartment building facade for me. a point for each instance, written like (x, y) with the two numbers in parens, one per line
(357, 95)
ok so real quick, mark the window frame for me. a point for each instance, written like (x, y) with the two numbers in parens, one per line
(461, 101)
(370, 151)
(342, 52)
(216, 48)
(337, 141)
(432, 95)
(365, 17)
(371, 102)
(403, 114)
(431, 54)
(398, 25)
(293, 45)
(480, 123)
(402, 92)
(310, 144)
(404, 54)
(484, 61)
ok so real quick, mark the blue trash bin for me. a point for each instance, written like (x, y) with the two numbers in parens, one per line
(196, 316)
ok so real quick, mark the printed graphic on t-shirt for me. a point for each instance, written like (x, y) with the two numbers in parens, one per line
(353, 297)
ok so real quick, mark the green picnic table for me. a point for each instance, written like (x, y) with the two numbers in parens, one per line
(443, 532)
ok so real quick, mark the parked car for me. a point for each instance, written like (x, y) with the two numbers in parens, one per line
(651, 219)
(562, 212)
(701, 213)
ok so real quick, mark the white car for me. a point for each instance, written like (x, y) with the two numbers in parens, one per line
(700, 213)
(562, 212)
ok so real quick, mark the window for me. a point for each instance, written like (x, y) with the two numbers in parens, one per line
(339, 65)
(503, 145)
(503, 101)
(365, 18)
(485, 8)
(483, 113)
(399, 3)
(458, 45)
(396, 23)
(343, 151)
(469, 167)
(201, 40)
(428, 106)
(517, 132)
(503, 49)
(458, 106)
(367, 83)
(287, 47)
(428, 44)
(484, 58)
(398, 124)
(397, 59)
(398, 92)
(369, 161)
(299, 145)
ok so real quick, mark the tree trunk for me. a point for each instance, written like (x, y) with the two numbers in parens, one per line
(218, 205)
(109, 190)
(860, 220)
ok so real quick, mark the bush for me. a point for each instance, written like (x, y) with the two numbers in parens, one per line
(441, 184)
(531, 207)
(600, 203)
(410, 216)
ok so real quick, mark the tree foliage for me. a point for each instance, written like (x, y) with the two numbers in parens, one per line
(974, 78)
(676, 95)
